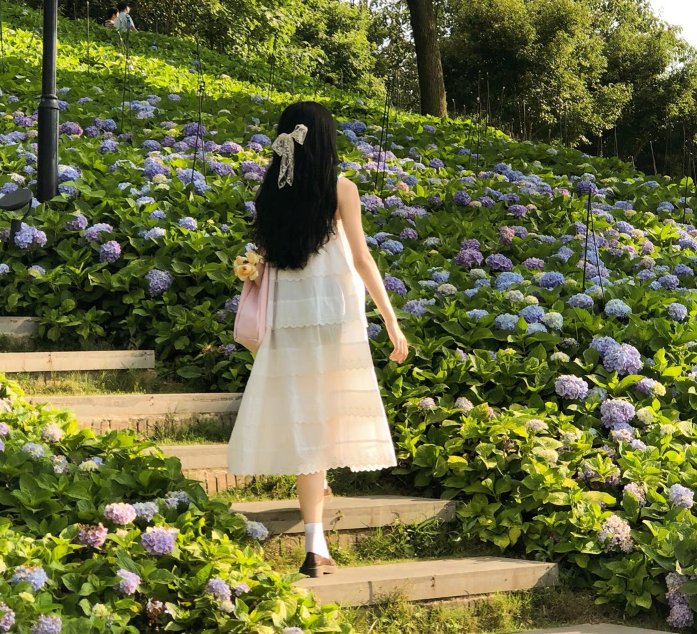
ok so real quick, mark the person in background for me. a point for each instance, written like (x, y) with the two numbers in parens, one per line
(110, 18)
(124, 22)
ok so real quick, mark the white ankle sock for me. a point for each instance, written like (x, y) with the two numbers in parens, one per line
(314, 539)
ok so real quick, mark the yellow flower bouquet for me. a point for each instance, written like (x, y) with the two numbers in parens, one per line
(246, 267)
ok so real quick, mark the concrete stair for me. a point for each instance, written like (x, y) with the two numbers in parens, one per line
(347, 513)
(19, 328)
(77, 361)
(599, 628)
(147, 413)
(431, 580)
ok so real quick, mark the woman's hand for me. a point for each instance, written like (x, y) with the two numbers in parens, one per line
(399, 341)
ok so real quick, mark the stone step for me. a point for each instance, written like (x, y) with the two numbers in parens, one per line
(599, 628)
(348, 513)
(431, 580)
(145, 413)
(199, 457)
(77, 361)
(19, 327)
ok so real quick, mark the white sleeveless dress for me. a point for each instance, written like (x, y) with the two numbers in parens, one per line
(312, 401)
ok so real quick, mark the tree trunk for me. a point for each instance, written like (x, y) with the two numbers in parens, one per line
(431, 85)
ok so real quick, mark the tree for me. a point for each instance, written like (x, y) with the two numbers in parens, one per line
(425, 30)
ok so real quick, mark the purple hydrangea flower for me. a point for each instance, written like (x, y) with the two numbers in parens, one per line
(427, 403)
(615, 534)
(681, 496)
(374, 330)
(571, 387)
(498, 262)
(109, 252)
(462, 198)
(219, 589)
(580, 300)
(92, 536)
(7, 620)
(469, 258)
(534, 263)
(174, 499)
(188, 223)
(93, 233)
(532, 314)
(120, 513)
(47, 624)
(669, 282)
(623, 359)
(616, 411)
(78, 224)
(129, 582)
(159, 540)
(158, 281)
(395, 284)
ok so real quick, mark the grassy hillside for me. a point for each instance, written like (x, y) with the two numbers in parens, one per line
(551, 386)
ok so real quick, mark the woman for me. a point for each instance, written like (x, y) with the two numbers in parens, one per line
(312, 401)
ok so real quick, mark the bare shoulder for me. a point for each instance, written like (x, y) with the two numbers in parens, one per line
(345, 189)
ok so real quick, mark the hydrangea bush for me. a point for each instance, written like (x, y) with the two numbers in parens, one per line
(103, 533)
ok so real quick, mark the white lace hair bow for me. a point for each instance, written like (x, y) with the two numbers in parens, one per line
(284, 146)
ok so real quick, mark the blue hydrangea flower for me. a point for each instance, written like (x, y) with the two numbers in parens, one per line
(617, 308)
(553, 320)
(477, 313)
(461, 198)
(580, 300)
(392, 246)
(374, 331)
(676, 311)
(34, 450)
(533, 328)
(551, 280)
(188, 223)
(417, 307)
(669, 282)
(506, 321)
(506, 279)
(532, 314)
(256, 530)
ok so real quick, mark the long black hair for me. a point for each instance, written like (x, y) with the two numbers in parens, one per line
(295, 221)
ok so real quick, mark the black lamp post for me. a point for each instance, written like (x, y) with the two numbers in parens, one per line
(48, 108)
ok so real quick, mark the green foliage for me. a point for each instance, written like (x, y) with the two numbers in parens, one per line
(47, 500)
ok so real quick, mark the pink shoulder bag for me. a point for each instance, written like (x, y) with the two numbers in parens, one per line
(250, 322)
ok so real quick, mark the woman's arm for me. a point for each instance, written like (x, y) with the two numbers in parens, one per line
(350, 213)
